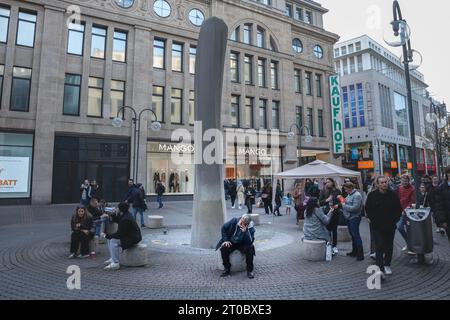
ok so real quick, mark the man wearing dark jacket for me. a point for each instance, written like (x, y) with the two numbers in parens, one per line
(128, 234)
(443, 204)
(238, 234)
(383, 210)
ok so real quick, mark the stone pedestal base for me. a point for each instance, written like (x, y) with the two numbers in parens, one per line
(136, 256)
(313, 250)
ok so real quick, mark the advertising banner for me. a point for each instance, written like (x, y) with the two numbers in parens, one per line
(14, 174)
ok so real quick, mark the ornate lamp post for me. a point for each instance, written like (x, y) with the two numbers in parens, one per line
(136, 120)
(291, 136)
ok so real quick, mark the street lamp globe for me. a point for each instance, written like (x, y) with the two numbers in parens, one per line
(291, 135)
(117, 122)
(155, 126)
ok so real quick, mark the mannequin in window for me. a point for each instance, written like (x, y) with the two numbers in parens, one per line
(172, 182)
(186, 178)
(177, 182)
(155, 179)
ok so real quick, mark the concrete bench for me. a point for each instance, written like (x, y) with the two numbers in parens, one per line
(237, 260)
(343, 234)
(313, 250)
(255, 219)
(135, 256)
(155, 222)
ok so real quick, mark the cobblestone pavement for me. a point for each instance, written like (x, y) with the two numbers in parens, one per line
(34, 245)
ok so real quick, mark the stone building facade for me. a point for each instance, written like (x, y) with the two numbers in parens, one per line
(66, 67)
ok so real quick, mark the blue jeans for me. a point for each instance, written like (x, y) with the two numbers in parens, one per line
(141, 212)
(401, 227)
(113, 248)
(100, 225)
(159, 200)
(353, 228)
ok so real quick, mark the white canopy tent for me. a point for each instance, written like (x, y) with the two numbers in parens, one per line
(319, 170)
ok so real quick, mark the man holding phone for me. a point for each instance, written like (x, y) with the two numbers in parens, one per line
(238, 234)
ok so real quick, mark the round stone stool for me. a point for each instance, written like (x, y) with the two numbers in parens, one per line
(135, 256)
(343, 234)
(313, 250)
(155, 222)
(255, 219)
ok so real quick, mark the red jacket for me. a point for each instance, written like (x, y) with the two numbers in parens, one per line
(407, 196)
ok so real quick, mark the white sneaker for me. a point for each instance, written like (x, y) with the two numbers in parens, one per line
(335, 251)
(373, 256)
(112, 266)
(232, 207)
(72, 255)
(405, 248)
(109, 261)
(387, 270)
(240, 208)
(85, 256)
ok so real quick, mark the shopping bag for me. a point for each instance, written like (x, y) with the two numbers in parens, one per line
(329, 253)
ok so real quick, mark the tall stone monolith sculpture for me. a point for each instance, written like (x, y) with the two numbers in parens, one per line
(209, 209)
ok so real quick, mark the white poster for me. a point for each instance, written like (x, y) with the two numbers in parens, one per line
(14, 174)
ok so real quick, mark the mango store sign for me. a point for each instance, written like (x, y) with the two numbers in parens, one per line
(14, 174)
(336, 115)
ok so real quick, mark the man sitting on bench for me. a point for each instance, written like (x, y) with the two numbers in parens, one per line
(128, 234)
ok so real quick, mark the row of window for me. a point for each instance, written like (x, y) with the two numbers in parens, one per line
(347, 49)
(349, 65)
(163, 9)
(353, 104)
(298, 86)
(300, 14)
(309, 121)
(247, 36)
(247, 119)
(248, 70)
(26, 27)
(159, 56)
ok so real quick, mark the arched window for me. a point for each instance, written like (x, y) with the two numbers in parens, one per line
(273, 46)
(297, 46)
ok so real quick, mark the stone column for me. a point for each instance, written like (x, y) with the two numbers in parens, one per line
(142, 96)
(47, 105)
(209, 203)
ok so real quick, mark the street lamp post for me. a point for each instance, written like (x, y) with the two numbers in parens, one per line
(291, 136)
(136, 120)
(400, 28)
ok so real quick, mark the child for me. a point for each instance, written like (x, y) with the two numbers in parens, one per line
(288, 202)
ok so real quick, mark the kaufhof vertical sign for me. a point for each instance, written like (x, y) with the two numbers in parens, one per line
(14, 174)
(336, 115)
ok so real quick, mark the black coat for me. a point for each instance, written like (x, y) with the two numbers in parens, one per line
(231, 229)
(443, 204)
(96, 213)
(334, 221)
(383, 210)
(128, 231)
(87, 224)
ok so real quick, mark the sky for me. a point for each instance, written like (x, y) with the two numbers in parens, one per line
(429, 23)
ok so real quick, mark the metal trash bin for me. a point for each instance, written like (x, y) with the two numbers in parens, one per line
(419, 230)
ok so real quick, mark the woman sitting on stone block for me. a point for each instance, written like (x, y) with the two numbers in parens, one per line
(316, 221)
(82, 231)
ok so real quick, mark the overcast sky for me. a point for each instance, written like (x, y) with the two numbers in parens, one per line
(430, 26)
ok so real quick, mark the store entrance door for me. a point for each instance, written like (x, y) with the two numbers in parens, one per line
(68, 177)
